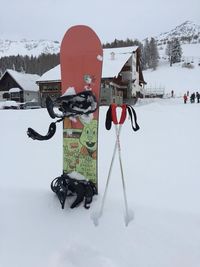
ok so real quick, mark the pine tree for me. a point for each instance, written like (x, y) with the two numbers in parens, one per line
(174, 51)
(168, 51)
(142, 59)
(153, 56)
(146, 54)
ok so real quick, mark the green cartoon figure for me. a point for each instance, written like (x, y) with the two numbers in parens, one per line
(88, 139)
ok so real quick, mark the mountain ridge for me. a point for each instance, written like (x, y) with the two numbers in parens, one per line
(26, 47)
(187, 32)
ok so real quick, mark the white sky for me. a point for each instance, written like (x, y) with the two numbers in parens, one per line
(49, 19)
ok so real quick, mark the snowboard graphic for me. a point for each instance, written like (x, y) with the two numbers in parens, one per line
(81, 58)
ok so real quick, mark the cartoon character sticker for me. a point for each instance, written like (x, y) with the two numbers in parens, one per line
(88, 139)
(80, 154)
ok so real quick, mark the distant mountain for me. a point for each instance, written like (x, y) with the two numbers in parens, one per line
(187, 32)
(28, 47)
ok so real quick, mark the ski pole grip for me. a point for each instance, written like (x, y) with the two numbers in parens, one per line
(114, 113)
(123, 114)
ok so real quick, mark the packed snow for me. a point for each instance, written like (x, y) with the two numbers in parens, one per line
(161, 169)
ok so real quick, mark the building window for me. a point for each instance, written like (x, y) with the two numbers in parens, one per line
(15, 95)
(51, 87)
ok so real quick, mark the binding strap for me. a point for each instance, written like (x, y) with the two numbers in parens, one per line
(132, 115)
(49, 106)
(36, 136)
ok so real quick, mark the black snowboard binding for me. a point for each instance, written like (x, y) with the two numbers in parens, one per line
(74, 105)
(65, 186)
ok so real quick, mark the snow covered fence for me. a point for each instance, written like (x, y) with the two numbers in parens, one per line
(153, 91)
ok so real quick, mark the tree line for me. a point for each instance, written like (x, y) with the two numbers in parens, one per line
(32, 65)
(149, 56)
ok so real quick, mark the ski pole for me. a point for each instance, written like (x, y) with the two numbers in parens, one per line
(121, 121)
(111, 117)
(100, 213)
(127, 217)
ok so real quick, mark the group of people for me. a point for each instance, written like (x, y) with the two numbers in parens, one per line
(191, 97)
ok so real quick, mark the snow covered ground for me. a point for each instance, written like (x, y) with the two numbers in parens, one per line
(161, 168)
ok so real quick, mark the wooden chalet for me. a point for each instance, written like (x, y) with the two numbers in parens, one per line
(121, 82)
(18, 86)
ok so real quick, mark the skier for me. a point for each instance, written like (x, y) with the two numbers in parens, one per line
(185, 98)
(197, 96)
(192, 98)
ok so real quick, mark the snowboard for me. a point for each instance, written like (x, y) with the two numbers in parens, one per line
(81, 57)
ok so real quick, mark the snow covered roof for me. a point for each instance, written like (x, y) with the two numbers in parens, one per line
(14, 90)
(113, 61)
(51, 75)
(26, 81)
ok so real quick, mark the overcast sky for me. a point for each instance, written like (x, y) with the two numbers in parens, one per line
(121, 19)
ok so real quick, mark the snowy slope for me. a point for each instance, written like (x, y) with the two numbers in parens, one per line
(161, 168)
(176, 77)
(185, 31)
